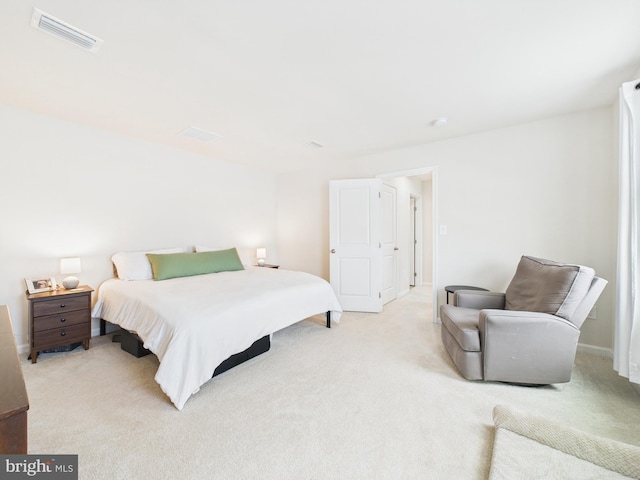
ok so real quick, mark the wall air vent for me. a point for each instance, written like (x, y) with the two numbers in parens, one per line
(47, 23)
(199, 134)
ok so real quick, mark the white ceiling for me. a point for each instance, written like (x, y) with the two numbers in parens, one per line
(357, 76)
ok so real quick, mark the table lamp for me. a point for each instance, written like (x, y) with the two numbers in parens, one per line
(261, 253)
(68, 266)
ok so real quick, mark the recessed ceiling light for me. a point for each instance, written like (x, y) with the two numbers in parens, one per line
(313, 144)
(200, 134)
(440, 122)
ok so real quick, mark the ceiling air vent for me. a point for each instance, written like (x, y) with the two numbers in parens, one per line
(47, 23)
(199, 134)
(313, 145)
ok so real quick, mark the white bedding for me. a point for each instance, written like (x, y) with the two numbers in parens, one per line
(193, 324)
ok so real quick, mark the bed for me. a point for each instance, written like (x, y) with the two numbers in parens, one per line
(194, 323)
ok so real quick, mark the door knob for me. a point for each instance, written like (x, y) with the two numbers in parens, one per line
(333, 250)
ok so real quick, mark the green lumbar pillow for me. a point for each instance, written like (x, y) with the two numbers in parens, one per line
(174, 265)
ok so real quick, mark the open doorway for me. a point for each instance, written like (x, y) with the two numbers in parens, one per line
(417, 239)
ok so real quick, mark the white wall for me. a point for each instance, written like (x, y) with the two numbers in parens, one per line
(427, 231)
(69, 190)
(545, 189)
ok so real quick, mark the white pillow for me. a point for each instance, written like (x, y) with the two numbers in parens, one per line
(135, 265)
(200, 248)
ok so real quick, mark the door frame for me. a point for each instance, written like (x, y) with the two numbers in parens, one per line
(416, 240)
(387, 248)
(434, 236)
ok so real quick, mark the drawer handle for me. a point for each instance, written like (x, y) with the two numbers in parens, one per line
(63, 320)
(63, 333)
(62, 305)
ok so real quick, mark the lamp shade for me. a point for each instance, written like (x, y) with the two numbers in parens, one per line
(69, 266)
(261, 253)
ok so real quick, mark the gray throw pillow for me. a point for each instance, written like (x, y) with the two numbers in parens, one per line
(546, 286)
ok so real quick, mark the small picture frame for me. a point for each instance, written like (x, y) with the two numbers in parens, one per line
(40, 284)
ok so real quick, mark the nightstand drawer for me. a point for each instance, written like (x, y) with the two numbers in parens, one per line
(61, 336)
(62, 319)
(58, 305)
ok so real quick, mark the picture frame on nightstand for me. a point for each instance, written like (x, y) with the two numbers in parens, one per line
(40, 284)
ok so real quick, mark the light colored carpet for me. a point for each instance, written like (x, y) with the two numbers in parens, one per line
(375, 397)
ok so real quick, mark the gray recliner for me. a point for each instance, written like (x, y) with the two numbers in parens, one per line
(528, 335)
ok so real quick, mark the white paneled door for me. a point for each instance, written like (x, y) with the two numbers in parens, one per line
(358, 267)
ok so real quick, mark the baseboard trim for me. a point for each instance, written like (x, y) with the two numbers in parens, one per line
(95, 332)
(593, 350)
(403, 293)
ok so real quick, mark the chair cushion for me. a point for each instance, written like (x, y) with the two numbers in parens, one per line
(462, 324)
(548, 287)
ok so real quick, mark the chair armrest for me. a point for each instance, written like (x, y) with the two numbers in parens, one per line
(528, 323)
(527, 347)
(478, 299)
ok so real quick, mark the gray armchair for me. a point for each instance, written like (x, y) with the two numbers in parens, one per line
(527, 335)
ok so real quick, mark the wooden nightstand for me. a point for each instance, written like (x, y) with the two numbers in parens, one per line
(59, 318)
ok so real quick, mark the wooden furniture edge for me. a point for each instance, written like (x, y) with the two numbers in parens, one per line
(14, 401)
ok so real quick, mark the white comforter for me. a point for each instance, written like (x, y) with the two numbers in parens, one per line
(193, 324)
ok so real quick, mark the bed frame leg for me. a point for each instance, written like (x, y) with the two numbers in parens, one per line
(328, 319)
